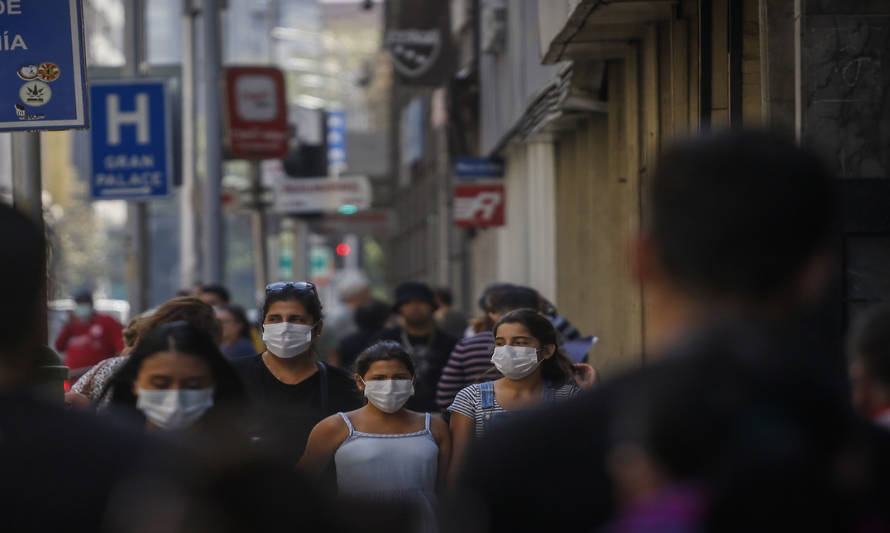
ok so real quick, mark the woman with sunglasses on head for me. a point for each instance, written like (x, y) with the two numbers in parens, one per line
(527, 354)
(382, 451)
(290, 389)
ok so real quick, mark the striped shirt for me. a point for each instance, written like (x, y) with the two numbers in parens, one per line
(468, 402)
(469, 363)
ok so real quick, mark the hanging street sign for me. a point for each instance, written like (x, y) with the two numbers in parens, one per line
(479, 206)
(321, 195)
(256, 112)
(475, 168)
(131, 140)
(42, 74)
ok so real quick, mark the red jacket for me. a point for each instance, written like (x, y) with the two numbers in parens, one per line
(86, 343)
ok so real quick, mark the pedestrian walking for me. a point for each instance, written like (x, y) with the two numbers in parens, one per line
(450, 320)
(384, 452)
(88, 337)
(370, 318)
(868, 351)
(214, 294)
(353, 290)
(290, 390)
(236, 337)
(483, 322)
(470, 361)
(527, 354)
(176, 379)
(87, 390)
(428, 345)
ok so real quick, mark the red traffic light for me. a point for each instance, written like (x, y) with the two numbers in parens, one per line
(343, 249)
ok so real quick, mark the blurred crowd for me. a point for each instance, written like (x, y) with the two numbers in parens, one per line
(749, 414)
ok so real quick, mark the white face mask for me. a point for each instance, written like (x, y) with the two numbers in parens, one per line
(389, 395)
(83, 311)
(174, 409)
(286, 340)
(515, 362)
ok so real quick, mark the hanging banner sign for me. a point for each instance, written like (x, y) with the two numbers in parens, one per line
(42, 74)
(420, 43)
(479, 206)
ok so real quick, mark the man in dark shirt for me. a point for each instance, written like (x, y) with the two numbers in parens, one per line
(290, 389)
(735, 428)
(427, 344)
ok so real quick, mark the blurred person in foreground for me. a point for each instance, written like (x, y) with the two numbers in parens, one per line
(370, 317)
(450, 320)
(868, 351)
(236, 332)
(428, 345)
(88, 337)
(740, 423)
(89, 387)
(42, 446)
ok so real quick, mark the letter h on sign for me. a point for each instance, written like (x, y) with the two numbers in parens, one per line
(117, 118)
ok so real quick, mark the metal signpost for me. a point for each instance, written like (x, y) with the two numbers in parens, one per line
(131, 140)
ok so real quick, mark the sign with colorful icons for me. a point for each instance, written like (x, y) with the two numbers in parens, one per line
(42, 74)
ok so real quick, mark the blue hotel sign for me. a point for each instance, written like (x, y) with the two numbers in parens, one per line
(131, 138)
(42, 75)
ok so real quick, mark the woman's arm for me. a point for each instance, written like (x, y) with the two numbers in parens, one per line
(462, 428)
(443, 439)
(324, 440)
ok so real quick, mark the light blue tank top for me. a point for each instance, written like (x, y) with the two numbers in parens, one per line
(387, 466)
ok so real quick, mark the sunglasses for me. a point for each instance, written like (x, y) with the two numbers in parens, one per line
(297, 286)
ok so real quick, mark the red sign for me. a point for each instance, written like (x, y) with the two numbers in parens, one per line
(479, 206)
(257, 112)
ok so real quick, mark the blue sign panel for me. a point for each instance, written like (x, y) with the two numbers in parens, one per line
(131, 140)
(337, 140)
(470, 168)
(42, 76)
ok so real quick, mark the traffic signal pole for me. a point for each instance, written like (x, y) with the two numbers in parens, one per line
(138, 283)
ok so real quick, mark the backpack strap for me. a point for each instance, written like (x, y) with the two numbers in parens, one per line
(487, 390)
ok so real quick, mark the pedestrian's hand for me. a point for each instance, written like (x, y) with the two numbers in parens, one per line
(77, 401)
(585, 375)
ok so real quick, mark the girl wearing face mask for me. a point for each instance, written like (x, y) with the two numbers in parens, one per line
(291, 391)
(526, 354)
(382, 451)
(176, 379)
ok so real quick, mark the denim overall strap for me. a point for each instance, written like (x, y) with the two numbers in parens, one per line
(487, 389)
(549, 393)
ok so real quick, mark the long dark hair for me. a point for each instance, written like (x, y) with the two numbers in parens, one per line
(182, 337)
(557, 369)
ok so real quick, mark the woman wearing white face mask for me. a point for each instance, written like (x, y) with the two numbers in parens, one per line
(290, 389)
(384, 452)
(526, 354)
(176, 379)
